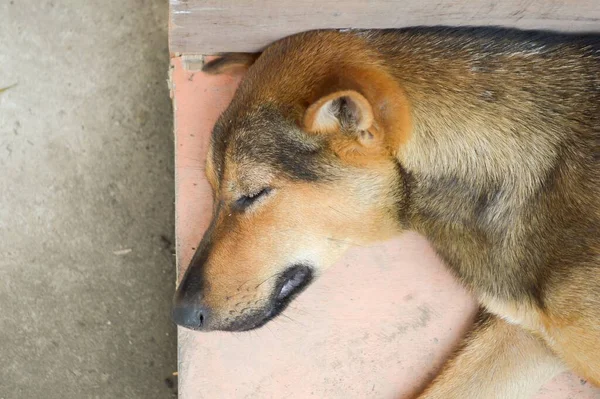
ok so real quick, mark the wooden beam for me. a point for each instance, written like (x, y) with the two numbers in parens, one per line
(211, 26)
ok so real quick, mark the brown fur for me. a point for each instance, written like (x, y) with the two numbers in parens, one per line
(484, 140)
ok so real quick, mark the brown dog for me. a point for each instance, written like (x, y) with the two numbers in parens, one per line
(485, 140)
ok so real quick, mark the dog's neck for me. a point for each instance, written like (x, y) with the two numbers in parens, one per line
(447, 145)
(472, 181)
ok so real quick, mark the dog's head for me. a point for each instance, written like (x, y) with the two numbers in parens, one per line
(302, 165)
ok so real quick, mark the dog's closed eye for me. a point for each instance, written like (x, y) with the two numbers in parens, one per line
(246, 200)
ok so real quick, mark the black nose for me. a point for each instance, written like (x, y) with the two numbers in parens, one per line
(194, 317)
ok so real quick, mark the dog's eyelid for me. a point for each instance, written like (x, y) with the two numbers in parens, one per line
(246, 200)
(260, 192)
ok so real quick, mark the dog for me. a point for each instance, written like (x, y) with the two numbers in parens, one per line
(484, 140)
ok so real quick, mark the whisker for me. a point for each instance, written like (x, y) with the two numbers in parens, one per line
(268, 278)
(293, 320)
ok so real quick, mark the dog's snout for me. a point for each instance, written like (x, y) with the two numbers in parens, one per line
(190, 316)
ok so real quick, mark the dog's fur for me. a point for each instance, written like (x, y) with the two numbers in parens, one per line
(485, 140)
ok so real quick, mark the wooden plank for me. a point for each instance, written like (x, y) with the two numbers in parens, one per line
(210, 26)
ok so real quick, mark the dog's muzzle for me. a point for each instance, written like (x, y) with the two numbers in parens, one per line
(190, 311)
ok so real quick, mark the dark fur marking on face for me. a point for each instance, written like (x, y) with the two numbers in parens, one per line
(193, 283)
(264, 136)
(218, 140)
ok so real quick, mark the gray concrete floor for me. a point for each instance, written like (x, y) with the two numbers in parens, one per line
(86, 171)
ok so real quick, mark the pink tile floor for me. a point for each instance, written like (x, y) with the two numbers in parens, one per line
(377, 325)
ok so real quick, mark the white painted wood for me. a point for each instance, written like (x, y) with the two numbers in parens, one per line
(210, 26)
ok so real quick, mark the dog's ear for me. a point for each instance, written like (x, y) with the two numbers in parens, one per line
(347, 111)
(230, 63)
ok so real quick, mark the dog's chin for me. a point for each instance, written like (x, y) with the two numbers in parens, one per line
(288, 286)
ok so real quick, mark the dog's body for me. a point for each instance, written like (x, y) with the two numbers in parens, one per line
(486, 141)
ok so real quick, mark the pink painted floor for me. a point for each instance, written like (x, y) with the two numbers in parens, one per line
(376, 325)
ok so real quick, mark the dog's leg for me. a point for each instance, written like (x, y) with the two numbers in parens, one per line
(497, 360)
